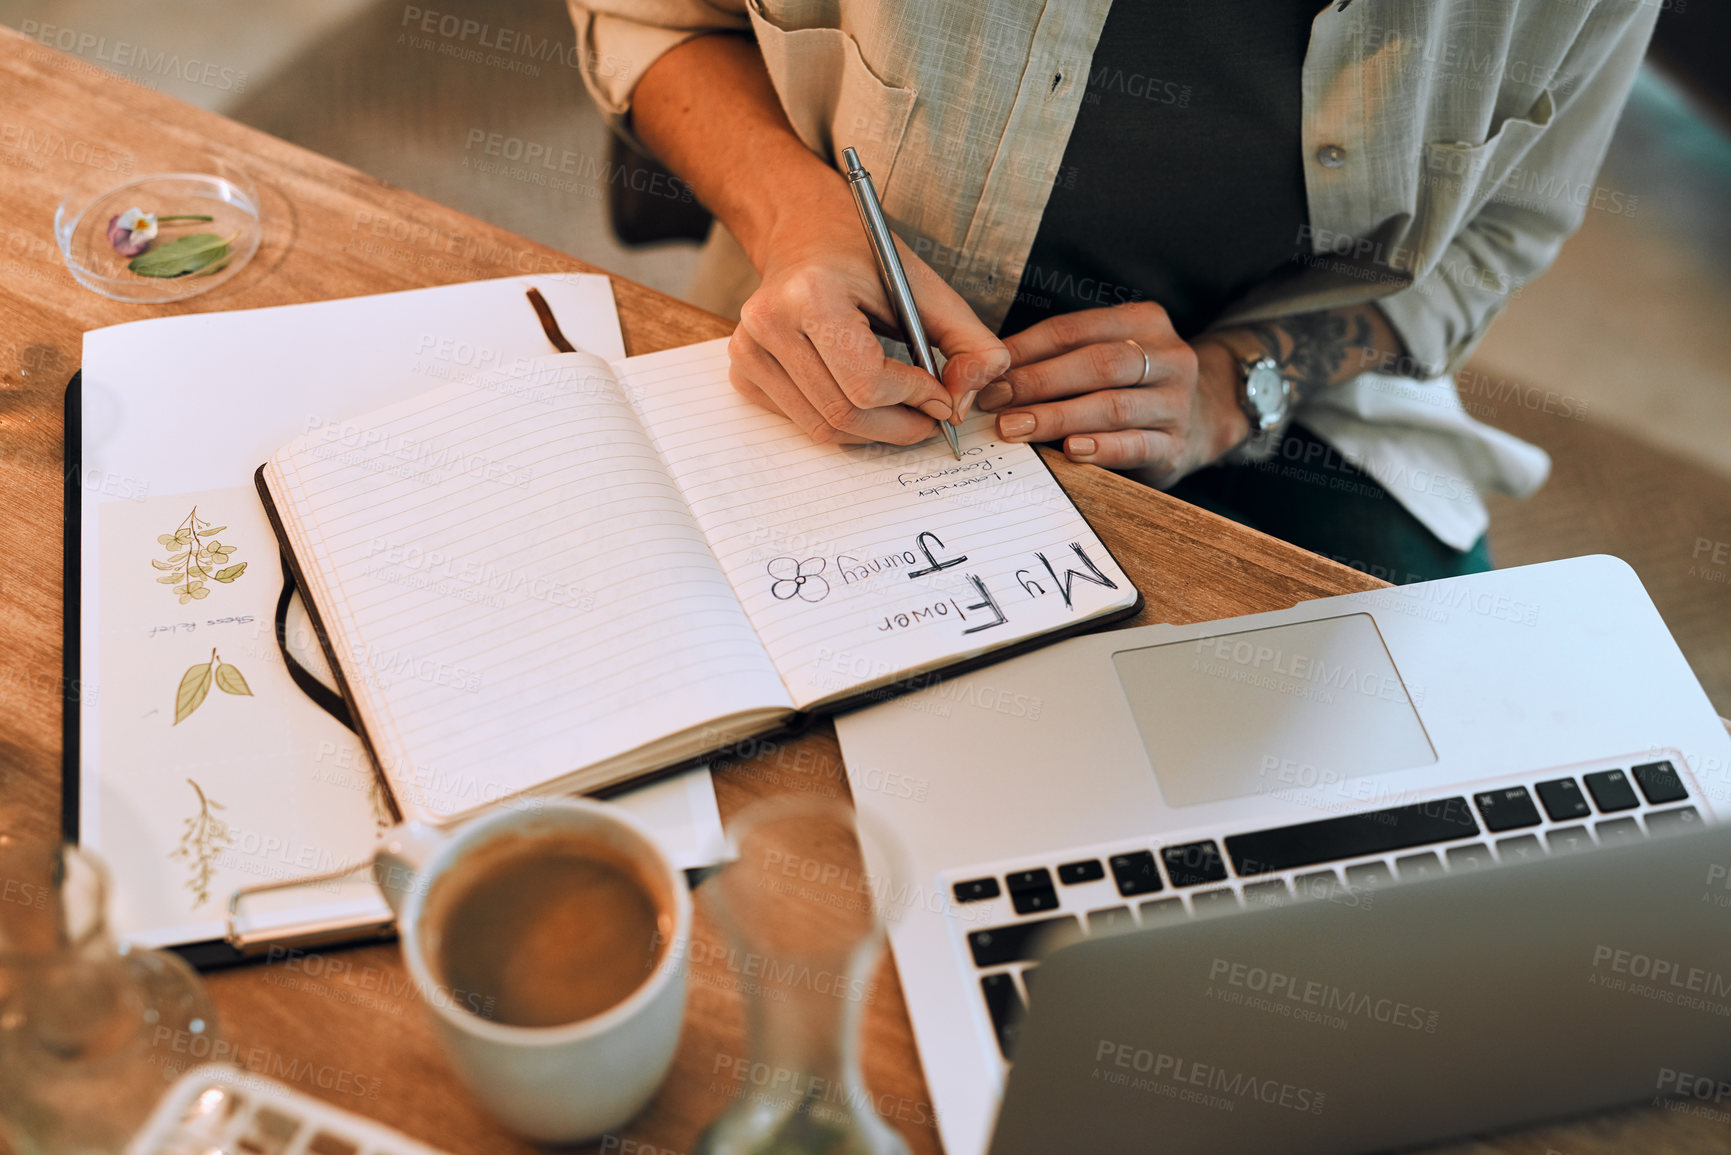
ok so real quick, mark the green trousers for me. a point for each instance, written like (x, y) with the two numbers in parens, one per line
(1307, 494)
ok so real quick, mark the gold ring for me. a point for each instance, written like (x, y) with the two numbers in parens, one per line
(1147, 364)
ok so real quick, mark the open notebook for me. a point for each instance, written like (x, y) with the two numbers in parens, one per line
(571, 577)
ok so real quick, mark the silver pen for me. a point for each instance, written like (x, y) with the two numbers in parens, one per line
(883, 242)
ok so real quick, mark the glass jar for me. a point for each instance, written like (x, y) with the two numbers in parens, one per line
(91, 1032)
(803, 901)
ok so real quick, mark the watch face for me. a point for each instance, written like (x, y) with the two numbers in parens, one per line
(1266, 390)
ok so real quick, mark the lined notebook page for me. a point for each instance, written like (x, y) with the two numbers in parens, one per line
(514, 586)
(862, 564)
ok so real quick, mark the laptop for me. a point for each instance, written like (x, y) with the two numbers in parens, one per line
(1308, 758)
(1467, 1003)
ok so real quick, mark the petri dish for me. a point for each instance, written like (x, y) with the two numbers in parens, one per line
(196, 184)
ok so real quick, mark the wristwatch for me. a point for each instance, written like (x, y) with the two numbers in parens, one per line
(1264, 393)
(1267, 397)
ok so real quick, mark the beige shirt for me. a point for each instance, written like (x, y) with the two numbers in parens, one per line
(1450, 146)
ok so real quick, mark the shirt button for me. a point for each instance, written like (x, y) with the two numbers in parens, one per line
(1331, 156)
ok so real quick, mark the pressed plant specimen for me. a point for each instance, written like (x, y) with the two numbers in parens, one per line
(196, 682)
(203, 836)
(195, 556)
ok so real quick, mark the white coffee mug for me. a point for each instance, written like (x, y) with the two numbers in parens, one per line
(562, 1083)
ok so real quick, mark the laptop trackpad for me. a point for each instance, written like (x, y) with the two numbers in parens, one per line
(1267, 711)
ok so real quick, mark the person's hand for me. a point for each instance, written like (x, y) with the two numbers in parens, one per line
(1078, 378)
(805, 346)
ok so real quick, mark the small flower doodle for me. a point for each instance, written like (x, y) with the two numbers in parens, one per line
(790, 577)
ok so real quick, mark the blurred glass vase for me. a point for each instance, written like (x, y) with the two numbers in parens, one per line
(804, 911)
(91, 1033)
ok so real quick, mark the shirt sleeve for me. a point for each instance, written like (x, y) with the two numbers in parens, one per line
(617, 41)
(1535, 207)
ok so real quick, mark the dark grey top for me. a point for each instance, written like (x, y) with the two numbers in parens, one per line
(1183, 180)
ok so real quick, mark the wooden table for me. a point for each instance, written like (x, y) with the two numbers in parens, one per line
(345, 1026)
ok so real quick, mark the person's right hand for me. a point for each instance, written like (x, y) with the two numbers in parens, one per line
(805, 345)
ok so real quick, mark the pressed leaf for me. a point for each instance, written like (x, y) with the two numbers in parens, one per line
(200, 592)
(229, 573)
(167, 539)
(177, 258)
(160, 564)
(194, 685)
(215, 529)
(168, 579)
(229, 681)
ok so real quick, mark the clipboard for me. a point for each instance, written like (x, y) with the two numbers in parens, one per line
(398, 344)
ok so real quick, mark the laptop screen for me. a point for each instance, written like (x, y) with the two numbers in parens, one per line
(1312, 705)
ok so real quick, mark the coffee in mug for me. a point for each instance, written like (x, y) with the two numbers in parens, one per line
(542, 931)
(548, 943)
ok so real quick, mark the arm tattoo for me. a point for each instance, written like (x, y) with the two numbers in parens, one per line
(1311, 348)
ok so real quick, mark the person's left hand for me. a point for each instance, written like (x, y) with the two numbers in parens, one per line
(1078, 378)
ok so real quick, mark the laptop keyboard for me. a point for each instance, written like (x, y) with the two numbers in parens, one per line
(1341, 859)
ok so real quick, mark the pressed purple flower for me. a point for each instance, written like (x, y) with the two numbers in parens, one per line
(132, 231)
